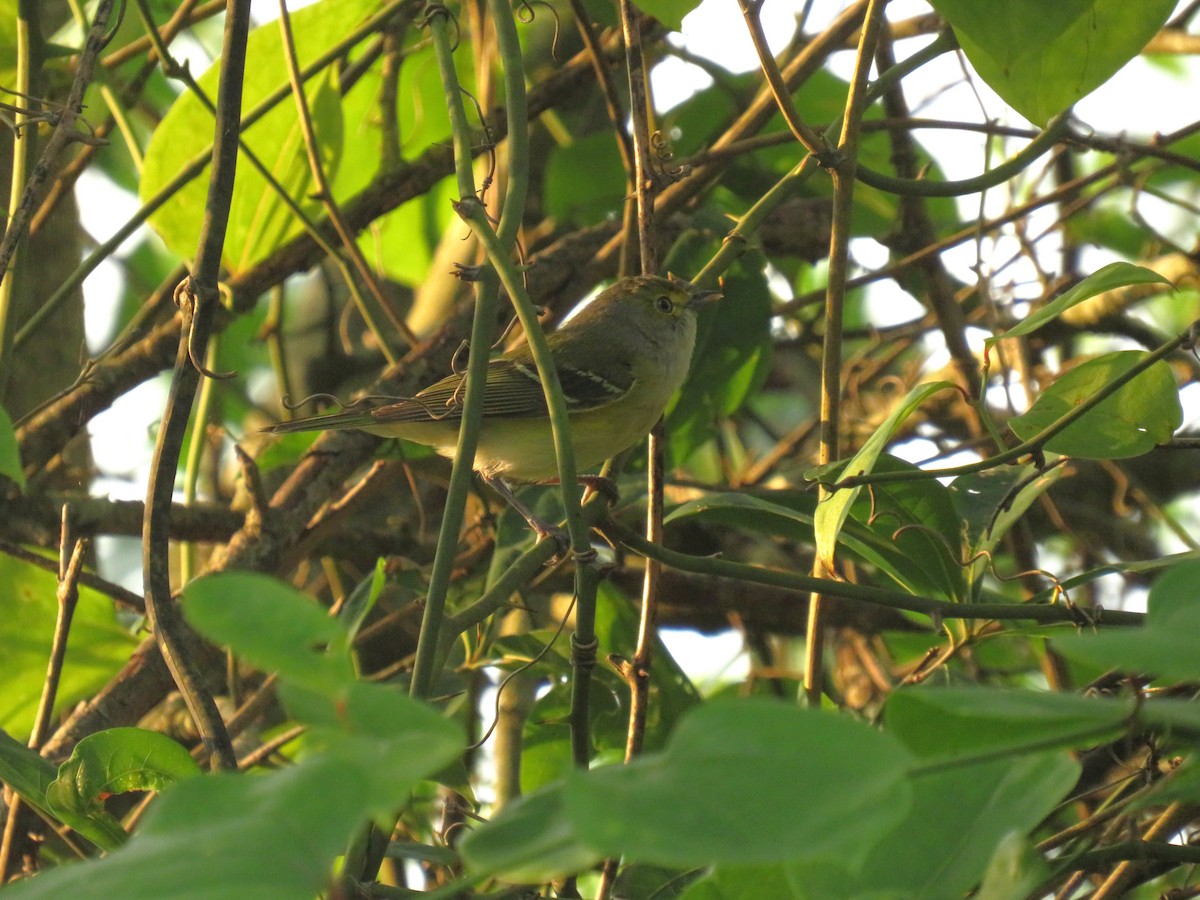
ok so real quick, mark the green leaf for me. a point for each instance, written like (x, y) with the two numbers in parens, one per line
(1164, 647)
(8, 42)
(779, 882)
(960, 819)
(917, 533)
(701, 801)
(1142, 414)
(10, 454)
(273, 625)
(392, 738)
(97, 646)
(989, 503)
(259, 221)
(26, 772)
(1112, 276)
(733, 354)
(1015, 871)
(1042, 58)
(573, 196)
(905, 558)
(363, 598)
(401, 243)
(958, 816)
(114, 761)
(833, 510)
(961, 722)
(669, 12)
(531, 840)
(652, 810)
(261, 838)
(659, 882)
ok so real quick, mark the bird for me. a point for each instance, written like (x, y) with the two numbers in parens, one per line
(619, 361)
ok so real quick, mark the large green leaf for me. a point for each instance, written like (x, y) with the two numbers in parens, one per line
(263, 838)
(701, 801)
(909, 535)
(945, 845)
(1139, 416)
(960, 722)
(25, 772)
(97, 646)
(1043, 57)
(1015, 871)
(272, 625)
(531, 840)
(585, 180)
(669, 12)
(958, 817)
(739, 782)
(259, 221)
(1164, 647)
(917, 533)
(990, 502)
(392, 737)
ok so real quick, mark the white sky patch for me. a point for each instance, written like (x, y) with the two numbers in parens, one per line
(122, 439)
(709, 660)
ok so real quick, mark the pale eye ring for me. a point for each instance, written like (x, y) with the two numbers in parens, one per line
(663, 304)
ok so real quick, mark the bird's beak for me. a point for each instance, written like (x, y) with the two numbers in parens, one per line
(703, 298)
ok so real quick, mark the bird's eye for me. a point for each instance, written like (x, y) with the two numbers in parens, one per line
(663, 304)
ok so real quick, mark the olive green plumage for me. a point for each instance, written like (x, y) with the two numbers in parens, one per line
(619, 360)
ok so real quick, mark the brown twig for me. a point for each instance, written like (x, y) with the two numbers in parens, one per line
(835, 296)
(198, 296)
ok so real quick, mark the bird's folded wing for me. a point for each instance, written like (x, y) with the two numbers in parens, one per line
(513, 391)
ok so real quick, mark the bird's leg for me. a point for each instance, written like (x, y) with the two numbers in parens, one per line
(542, 528)
(597, 483)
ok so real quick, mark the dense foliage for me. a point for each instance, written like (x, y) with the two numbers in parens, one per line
(930, 471)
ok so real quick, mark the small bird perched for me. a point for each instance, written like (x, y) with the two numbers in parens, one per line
(619, 360)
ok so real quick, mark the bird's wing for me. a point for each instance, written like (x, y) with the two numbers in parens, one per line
(513, 391)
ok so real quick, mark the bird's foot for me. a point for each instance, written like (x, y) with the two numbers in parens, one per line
(541, 527)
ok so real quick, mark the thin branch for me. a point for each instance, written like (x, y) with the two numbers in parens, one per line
(198, 297)
(332, 209)
(893, 599)
(835, 297)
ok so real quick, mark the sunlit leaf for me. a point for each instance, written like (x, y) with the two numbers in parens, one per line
(259, 220)
(833, 510)
(1142, 414)
(97, 646)
(1042, 58)
(1114, 275)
